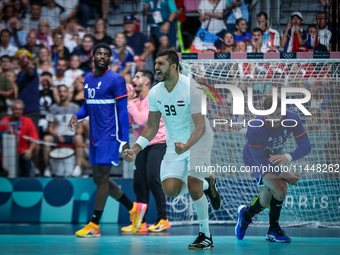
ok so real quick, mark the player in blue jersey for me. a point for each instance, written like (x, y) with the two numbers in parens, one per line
(262, 151)
(106, 104)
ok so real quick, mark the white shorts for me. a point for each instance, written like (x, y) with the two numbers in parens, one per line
(188, 163)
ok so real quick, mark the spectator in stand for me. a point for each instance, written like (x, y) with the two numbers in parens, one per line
(180, 17)
(100, 33)
(43, 62)
(161, 17)
(324, 35)
(70, 9)
(7, 12)
(294, 35)
(241, 47)
(60, 78)
(6, 47)
(58, 48)
(84, 11)
(229, 43)
(53, 13)
(73, 34)
(21, 8)
(122, 57)
(28, 86)
(271, 37)
(11, 76)
(6, 91)
(235, 10)
(58, 116)
(78, 99)
(44, 35)
(312, 37)
(46, 99)
(18, 35)
(241, 33)
(31, 45)
(84, 51)
(74, 70)
(26, 128)
(137, 41)
(32, 18)
(212, 15)
(6, 64)
(256, 41)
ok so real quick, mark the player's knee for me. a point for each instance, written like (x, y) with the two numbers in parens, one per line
(100, 179)
(171, 189)
(77, 139)
(48, 138)
(281, 192)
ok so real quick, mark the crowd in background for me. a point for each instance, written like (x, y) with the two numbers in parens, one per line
(46, 48)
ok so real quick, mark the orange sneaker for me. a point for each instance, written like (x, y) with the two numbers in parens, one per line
(90, 230)
(142, 228)
(160, 226)
(136, 215)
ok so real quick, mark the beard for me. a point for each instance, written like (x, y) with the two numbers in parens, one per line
(59, 73)
(103, 67)
(165, 76)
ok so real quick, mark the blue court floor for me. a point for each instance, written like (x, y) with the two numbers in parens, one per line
(59, 239)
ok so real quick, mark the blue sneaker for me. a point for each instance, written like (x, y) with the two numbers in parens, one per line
(242, 224)
(277, 235)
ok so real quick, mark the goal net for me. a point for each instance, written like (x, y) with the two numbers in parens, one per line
(315, 200)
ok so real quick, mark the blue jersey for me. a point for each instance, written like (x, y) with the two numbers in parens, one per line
(263, 141)
(104, 96)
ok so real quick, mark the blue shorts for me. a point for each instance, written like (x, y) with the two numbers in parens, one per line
(104, 153)
(68, 139)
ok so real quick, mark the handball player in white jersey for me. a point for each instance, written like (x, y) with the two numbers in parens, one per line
(189, 141)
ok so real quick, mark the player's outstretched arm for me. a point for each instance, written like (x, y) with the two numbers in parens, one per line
(149, 132)
(199, 122)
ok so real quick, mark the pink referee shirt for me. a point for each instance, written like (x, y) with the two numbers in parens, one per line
(138, 113)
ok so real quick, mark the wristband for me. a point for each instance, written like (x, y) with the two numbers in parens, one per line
(142, 142)
(168, 21)
(289, 157)
(139, 60)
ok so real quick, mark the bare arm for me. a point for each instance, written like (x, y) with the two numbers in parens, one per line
(215, 15)
(51, 130)
(7, 94)
(149, 49)
(285, 34)
(126, 70)
(150, 130)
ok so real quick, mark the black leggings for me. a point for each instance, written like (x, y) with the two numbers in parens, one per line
(147, 177)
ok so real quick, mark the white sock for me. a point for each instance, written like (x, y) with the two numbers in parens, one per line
(201, 207)
(205, 184)
(184, 189)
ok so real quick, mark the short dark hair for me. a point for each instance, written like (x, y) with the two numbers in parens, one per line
(5, 31)
(321, 13)
(268, 102)
(62, 85)
(148, 74)
(46, 74)
(88, 36)
(312, 26)
(61, 59)
(262, 14)
(5, 56)
(57, 31)
(257, 29)
(172, 56)
(239, 20)
(102, 45)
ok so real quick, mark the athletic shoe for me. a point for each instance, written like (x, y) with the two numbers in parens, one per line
(242, 224)
(277, 235)
(142, 228)
(136, 215)
(160, 225)
(77, 171)
(47, 172)
(90, 230)
(202, 243)
(212, 193)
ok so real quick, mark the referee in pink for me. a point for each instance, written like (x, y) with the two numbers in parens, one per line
(148, 161)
